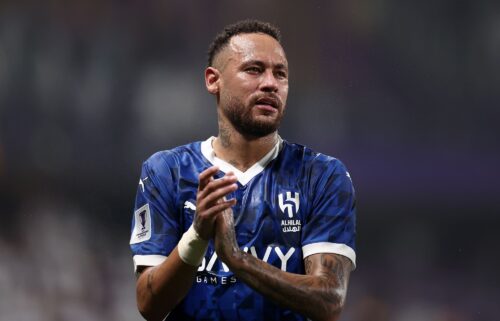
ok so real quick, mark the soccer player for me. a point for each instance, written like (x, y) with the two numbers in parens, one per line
(245, 225)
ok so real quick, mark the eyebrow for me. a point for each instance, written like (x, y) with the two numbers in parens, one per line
(262, 64)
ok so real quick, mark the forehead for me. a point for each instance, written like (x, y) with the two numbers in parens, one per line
(256, 47)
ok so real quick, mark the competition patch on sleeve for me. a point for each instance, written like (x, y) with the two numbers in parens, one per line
(142, 227)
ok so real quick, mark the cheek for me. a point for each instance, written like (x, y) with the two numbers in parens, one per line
(240, 86)
(284, 94)
(242, 79)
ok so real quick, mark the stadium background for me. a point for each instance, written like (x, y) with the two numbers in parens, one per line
(405, 93)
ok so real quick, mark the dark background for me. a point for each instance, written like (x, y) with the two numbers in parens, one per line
(405, 94)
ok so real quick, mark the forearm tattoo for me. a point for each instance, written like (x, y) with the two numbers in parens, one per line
(319, 294)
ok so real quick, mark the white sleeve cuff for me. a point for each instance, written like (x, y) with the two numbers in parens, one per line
(327, 247)
(148, 260)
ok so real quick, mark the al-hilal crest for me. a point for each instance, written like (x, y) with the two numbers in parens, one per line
(289, 205)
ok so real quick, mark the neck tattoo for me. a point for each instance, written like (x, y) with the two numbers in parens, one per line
(224, 136)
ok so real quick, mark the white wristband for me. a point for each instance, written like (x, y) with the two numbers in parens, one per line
(192, 247)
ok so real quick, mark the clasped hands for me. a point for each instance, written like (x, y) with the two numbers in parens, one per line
(214, 216)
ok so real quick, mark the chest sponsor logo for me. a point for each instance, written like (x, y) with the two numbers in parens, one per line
(212, 264)
(207, 265)
(289, 204)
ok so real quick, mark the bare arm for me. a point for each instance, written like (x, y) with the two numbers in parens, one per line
(155, 298)
(319, 295)
(159, 289)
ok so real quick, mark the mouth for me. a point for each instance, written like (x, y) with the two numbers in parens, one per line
(268, 103)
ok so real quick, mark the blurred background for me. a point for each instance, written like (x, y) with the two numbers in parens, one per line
(406, 94)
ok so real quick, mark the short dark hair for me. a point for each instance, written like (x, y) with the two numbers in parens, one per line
(243, 26)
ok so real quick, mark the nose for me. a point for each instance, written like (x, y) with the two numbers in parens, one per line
(269, 82)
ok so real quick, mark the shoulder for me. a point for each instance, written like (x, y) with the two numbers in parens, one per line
(312, 160)
(171, 158)
(316, 172)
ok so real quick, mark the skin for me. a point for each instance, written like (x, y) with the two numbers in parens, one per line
(249, 79)
(319, 294)
(251, 67)
(155, 297)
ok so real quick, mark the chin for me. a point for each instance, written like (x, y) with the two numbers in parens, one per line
(260, 128)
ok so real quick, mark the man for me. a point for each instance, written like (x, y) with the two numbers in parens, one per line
(244, 226)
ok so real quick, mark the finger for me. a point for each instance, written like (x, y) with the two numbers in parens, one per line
(215, 185)
(219, 208)
(205, 177)
(207, 199)
(218, 183)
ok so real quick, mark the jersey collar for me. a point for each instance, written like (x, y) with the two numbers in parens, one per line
(243, 177)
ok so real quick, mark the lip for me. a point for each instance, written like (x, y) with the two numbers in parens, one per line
(266, 107)
(269, 101)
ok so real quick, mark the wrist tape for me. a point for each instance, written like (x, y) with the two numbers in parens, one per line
(192, 247)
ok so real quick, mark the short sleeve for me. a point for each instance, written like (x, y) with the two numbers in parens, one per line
(155, 223)
(331, 223)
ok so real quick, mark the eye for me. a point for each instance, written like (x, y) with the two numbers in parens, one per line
(253, 70)
(281, 74)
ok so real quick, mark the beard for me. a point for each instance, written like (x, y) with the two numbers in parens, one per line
(243, 120)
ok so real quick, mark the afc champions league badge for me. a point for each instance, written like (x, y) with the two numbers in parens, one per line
(142, 217)
(289, 203)
(142, 228)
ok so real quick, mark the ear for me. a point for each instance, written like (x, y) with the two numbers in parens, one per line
(212, 78)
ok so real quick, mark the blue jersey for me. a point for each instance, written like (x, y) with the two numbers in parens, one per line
(291, 204)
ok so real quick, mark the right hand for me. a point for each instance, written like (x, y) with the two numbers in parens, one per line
(211, 200)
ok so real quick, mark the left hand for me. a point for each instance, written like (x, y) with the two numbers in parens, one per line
(225, 236)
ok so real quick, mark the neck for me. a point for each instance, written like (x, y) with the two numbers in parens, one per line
(240, 151)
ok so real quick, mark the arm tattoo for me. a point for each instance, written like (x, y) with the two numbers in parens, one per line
(334, 269)
(320, 294)
(334, 280)
(150, 281)
(307, 265)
